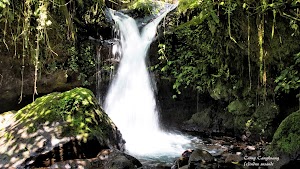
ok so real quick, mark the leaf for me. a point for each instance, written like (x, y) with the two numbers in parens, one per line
(88, 120)
(215, 17)
(164, 69)
(218, 75)
(277, 88)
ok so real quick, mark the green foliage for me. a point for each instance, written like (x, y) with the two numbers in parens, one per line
(238, 107)
(289, 78)
(73, 59)
(240, 112)
(233, 51)
(143, 7)
(42, 34)
(207, 13)
(185, 5)
(287, 137)
(4, 3)
(193, 57)
(263, 117)
(77, 108)
(215, 49)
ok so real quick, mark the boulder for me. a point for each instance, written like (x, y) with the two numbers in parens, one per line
(106, 159)
(200, 159)
(201, 156)
(183, 159)
(119, 160)
(194, 159)
(57, 127)
(233, 158)
(200, 122)
(286, 141)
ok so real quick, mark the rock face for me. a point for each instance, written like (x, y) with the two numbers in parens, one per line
(11, 83)
(57, 127)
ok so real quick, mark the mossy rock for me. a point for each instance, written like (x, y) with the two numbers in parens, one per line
(143, 7)
(286, 139)
(237, 115)
(77, 107)
(55, 120)
(262, 119)
(201, 119)
(238, 107)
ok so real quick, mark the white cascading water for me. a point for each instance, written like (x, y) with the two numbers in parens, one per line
(130, 101)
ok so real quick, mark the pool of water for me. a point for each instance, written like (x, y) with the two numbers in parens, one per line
(162, 159)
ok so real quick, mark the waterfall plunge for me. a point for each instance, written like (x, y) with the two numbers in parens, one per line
(130, 101)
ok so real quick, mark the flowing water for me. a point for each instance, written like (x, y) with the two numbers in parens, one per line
(130, 101)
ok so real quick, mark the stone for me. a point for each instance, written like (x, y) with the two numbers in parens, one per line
(184, 167)
(286, 141)
(57, 127)
(183, 160)
(233, 158)
(119, 160)
(106, 159)
(199, 155)
(200, 158)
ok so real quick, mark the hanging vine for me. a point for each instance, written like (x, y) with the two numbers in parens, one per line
(42, 31)
(248, 51)
(231, 7)
(43, 23)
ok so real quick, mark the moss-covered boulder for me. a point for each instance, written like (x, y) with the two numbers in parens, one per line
(287, 137)
(286, 140)
(57, 127)
(200, 121)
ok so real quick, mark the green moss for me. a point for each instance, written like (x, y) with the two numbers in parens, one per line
(238, 107)
(143, 7)
(287, 137)
(202, 118)
(77, 108)
(240, 112)
(263, 118)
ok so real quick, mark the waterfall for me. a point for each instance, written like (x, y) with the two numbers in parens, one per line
(130, 101)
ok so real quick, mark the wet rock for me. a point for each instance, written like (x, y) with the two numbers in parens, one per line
(200, 157)
(57, 127)
(233, 158)
(119, 160)
(184, 167)
(183, 160)
(106, 159)
(193, 159)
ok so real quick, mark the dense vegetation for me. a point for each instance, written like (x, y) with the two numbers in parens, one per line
(243, 53)
(45, 36)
